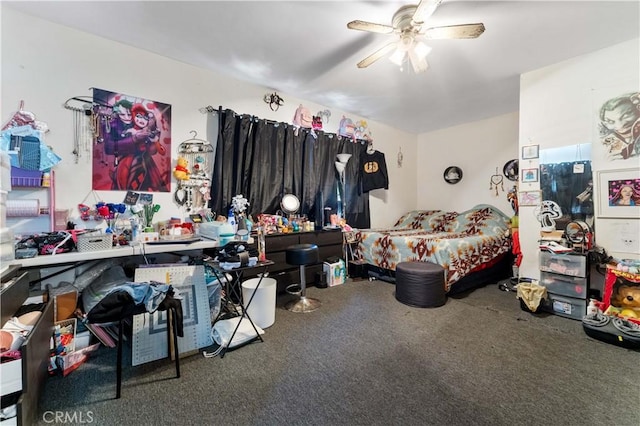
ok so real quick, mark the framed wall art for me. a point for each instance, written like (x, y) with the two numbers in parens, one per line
(529, 175)
(619, 193)
(530, 152)
(530, 198)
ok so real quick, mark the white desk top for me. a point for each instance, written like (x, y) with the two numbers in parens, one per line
(121, 251)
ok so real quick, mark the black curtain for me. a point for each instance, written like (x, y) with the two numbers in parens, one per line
(572, 191)
(263, 160)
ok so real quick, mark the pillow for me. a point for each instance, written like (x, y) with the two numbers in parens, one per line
(417, 219)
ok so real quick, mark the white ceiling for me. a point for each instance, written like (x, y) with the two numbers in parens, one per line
(303, 48)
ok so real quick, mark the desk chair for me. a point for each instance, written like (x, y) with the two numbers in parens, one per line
(121, 306)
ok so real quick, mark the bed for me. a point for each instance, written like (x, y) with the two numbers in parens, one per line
(473, 246)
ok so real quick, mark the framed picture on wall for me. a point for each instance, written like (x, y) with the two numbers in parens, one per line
(619, 193)
(530, 152)
(529, 175)
(530, 198)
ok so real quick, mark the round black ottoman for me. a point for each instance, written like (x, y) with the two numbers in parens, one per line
(420, 284)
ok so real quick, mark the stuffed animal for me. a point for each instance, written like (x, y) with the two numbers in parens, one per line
(181, 172)
(626, 298)
(205, 191)
(361, 131)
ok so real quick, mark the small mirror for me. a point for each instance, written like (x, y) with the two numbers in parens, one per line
(289, 204)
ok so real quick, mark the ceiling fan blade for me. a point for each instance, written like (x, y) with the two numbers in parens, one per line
(424, 10)
(455, 31)
(377, 55)
(370, 26)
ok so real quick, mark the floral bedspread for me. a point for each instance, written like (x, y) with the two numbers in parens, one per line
(459, 242)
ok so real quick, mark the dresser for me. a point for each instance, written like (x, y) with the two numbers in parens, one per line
(24, 378)
(329, 242)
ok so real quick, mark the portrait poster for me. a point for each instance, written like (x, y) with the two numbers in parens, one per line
(619, 193)
(618, 124)
(132, 148)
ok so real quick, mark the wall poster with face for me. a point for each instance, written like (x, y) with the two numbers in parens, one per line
(619, 126)
(132, 147)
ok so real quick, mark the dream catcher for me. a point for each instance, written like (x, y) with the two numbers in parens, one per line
(546, 213)
(495, 181)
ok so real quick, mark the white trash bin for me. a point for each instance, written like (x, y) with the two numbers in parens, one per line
(262, 309)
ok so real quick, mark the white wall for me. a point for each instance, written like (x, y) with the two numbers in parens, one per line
(478, 148)
(45, 64)
(558, 107)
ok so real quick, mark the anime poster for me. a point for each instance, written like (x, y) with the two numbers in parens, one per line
(619, 126)
(132, 149)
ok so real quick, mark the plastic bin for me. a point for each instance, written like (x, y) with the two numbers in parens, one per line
(262, 309)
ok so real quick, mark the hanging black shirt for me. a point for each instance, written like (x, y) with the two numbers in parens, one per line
(374, 171)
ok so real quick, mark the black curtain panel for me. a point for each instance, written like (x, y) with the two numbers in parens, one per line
(263, 160)
(572, 191)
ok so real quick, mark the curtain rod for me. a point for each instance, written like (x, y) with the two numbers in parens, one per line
(210, 109)
(207, 109)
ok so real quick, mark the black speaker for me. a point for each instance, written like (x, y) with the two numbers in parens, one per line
(357, 269)
(321, 280)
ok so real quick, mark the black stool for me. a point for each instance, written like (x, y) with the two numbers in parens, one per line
(420, 284)
(302, 255)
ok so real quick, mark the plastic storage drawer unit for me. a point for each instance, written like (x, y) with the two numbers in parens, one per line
(564, 285)
(571, 264)
(566, 306)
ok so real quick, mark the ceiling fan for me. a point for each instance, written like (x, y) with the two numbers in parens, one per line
(409, 24)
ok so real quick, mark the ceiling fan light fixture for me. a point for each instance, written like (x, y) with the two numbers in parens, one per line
(421, 50)
(397, 57)
(419, 64)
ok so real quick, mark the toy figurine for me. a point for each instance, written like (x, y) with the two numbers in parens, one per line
(181, 172)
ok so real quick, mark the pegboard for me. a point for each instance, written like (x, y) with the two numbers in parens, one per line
(149, 333)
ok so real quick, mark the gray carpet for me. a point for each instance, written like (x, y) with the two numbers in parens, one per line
(365, 359)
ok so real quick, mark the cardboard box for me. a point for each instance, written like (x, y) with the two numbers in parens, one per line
(336, 273)
(65, 364)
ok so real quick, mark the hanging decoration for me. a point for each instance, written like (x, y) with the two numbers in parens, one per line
(24, 118)
(193, 173)
(324, 115)
(84, 124)
(510, 170)
(452, 174)
(546, 213)
(274, 100)
(496, 180)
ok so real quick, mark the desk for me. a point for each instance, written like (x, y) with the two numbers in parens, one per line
(233, 288)
(120, 251)
(75, 258)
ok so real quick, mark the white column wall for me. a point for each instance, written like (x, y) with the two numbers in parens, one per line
(45, 64)
(559, 107)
